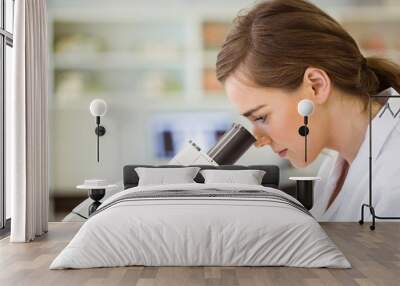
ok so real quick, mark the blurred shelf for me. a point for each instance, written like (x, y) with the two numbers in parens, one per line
(131, 101)
(114, 60)
(392, 54)
(367, 14)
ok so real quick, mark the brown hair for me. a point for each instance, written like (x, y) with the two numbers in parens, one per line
(276, 41)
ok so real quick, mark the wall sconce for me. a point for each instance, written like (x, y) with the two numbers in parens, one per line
(98, 108)
(305, 108)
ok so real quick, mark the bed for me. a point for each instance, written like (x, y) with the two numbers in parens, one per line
(201, 224)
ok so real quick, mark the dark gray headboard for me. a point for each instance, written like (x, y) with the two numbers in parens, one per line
(270, 179)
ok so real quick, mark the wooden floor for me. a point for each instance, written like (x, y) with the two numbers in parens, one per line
(374, 255)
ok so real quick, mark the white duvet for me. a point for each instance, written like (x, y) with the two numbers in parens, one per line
(200, 231)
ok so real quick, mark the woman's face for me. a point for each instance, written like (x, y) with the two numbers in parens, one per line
(273, 114)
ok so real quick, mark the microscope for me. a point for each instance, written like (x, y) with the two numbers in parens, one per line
(229, 148)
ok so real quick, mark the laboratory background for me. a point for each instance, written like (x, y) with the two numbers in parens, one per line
(153, 63)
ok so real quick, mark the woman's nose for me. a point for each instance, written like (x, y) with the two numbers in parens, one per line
(261, 138)
(262, 141)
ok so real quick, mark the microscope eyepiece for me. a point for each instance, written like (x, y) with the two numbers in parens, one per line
(232, 145)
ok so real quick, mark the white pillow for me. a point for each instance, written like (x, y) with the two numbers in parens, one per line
(162, 176)
(248, 177)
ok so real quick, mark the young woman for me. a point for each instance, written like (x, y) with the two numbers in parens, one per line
(283, 51)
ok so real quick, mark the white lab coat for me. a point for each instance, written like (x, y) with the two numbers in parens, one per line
(385, 173)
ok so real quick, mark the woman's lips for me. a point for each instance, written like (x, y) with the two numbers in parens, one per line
(283, 153)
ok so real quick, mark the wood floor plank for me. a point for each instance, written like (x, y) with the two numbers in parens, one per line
(375, 258)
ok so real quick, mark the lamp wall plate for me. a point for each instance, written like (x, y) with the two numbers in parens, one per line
(100, 130)
(303, 130)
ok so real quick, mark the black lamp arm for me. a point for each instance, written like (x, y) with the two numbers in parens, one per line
(99, 131)
(98, 137)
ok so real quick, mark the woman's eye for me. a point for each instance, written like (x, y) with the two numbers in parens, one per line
(261, 119)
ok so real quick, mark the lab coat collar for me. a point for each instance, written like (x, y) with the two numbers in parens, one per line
(383, 123)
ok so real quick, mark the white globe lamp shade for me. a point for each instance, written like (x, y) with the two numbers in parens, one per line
(305, 107)
(98, 107)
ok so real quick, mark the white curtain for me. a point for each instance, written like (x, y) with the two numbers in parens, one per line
(27, 123)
